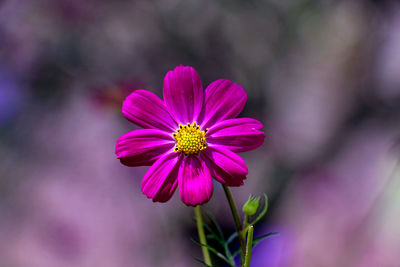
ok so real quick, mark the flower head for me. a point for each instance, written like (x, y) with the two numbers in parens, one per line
(189, 138)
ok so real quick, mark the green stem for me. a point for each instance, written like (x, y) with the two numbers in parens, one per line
(236, 219)
(249, 246)
(202, 236)
(245, 221)
(245, 226)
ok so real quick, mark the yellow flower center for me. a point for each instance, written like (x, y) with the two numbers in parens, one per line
(190, 139)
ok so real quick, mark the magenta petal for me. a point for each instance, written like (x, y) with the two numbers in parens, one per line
(224, 165)
(161, 179)
(143, 147)
(223, 100)
(148, 111)
(195, 183)
(183, 94)
(237, 135)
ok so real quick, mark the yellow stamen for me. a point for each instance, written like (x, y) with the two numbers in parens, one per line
(189, 139)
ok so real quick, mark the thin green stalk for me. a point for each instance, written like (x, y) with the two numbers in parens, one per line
(249, 246)
(245, 225)
(202, 236)
(236, 219)
(245, 221)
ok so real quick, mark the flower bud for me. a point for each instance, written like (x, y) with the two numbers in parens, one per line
(251, 205)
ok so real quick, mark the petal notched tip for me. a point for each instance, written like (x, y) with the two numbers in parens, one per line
(183, 94)
(223, 100)
(195, 183)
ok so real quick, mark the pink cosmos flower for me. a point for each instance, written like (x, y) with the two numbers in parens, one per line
(189, 137)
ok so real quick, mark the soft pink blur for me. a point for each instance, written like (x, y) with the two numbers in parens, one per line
(322, 76)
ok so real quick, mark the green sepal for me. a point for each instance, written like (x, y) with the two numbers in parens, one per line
(251, 206)
(263, 212)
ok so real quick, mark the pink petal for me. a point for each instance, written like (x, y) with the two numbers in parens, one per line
(183, 94)
(147, 110)
(161, 179)
(237, 135)
(195, 183)
(223, 100)
(143, 147)
(225, 166)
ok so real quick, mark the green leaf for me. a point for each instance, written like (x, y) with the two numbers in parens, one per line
(258, 239)
(231, 238)
(229, 255)
(214, 221)
(213, 250)
(214, 237)
(202, 262)
(255, 242)
(209, 229)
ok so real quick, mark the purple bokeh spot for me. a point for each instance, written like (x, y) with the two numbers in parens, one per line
(273, 251)
(62, 239)
(10, 97)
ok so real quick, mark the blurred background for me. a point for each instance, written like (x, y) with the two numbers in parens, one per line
(323, 77)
